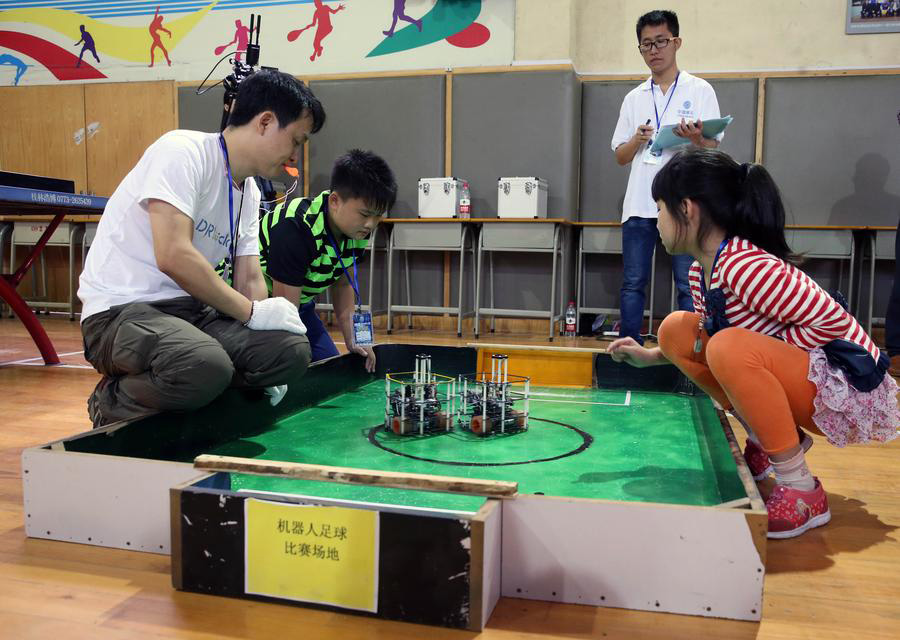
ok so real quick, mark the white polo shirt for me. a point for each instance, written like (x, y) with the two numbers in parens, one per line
(187, 170)
(693, 98)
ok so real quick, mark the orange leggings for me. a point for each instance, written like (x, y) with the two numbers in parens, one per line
(762, 378)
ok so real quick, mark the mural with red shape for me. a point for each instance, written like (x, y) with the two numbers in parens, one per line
(475, 35)
(59, 62)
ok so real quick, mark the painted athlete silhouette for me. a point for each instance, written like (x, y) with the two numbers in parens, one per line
(322, 18)
(88, 41)
(399, 13)
(13, 61)
(155, 28)
(241, 37)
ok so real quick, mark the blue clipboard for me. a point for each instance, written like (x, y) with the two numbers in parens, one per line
(666, 137)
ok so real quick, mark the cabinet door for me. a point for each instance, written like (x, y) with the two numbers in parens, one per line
(122, 120)
(40, 132)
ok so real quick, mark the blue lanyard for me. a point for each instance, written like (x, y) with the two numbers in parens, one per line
(353, 281)
(231, 228)
(666, 108)
(713, 268)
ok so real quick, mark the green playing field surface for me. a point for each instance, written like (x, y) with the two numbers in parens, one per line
(590, 443)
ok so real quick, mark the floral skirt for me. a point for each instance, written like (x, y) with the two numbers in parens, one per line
(846, 415)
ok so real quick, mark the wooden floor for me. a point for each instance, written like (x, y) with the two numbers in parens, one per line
(840, 581)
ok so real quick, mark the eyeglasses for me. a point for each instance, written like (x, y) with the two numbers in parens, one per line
(659, 43)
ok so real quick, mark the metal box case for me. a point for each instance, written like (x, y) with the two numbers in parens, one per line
(522, 197)
(439, 197)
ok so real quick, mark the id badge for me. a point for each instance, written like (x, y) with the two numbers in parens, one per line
(362, 328)
(650, 158)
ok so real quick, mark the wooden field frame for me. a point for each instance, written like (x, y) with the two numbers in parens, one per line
(697, 560)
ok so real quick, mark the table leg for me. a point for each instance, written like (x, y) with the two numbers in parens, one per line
(26, 315)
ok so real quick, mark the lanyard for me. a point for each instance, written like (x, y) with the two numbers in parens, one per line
(353, 281)
(713, 268)
(715, 320)
(231, 228)
(666, 108)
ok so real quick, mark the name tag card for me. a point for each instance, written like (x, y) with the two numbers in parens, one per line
(363, 334)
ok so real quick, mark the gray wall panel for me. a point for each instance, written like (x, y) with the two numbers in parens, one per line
(521, 281)
(738, 98)
(200, 113)
(400, 119)
(603, 181)
(517, 124)
(833, 146)
(426, 277)
(426, 281)
(603, 279)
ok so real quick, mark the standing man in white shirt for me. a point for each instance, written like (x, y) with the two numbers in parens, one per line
(163, 328)
(668, 97)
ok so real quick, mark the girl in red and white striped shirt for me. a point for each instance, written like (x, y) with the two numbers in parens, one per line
(765, 340)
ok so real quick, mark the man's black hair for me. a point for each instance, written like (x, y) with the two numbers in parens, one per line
(365, 175)
(656, 18)
(278, 92)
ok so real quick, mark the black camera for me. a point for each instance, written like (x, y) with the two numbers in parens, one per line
(242, 70)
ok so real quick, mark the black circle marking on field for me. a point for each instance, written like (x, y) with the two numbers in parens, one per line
(586, 441)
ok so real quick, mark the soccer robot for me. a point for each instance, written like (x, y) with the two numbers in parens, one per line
(421, 402)
(489, 401)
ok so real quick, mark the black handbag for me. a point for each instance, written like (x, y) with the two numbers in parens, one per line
(863, 373)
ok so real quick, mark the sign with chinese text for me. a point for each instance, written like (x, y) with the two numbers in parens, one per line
(324, 555)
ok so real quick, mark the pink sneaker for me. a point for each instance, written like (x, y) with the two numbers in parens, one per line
(758, 460)
(792, 511)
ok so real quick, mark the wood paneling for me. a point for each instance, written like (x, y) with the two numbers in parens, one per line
(130, 117)
(39, 132)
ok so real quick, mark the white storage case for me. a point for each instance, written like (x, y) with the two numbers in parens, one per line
(522, 198)
(439, 197)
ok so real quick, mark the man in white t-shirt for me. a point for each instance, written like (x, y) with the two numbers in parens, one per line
(668, 97)
(163, 328)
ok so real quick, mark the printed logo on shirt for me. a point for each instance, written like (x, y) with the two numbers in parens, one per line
(206, 230)
(686, 105)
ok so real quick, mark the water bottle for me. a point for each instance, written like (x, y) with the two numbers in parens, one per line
(571, 320)
(465, 207)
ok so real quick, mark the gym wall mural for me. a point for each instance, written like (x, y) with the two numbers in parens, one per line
(45, 42)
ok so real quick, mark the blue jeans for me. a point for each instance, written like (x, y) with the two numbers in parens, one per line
(320, 343)
(639, 236)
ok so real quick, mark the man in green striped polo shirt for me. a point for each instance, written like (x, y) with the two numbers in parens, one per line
(308, 245)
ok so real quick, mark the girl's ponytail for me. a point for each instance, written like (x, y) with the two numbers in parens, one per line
(759, 211)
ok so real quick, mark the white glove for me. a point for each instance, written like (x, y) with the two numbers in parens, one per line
(275, 314)
(276, 394)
